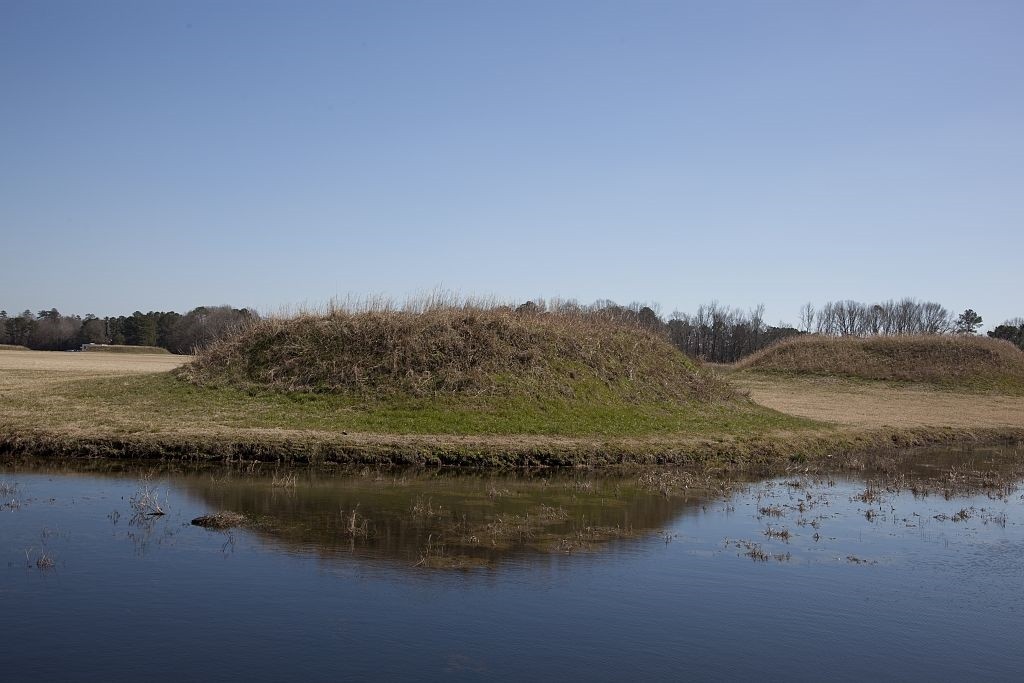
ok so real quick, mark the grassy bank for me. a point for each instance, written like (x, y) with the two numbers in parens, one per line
(13, 347)
(130, 406)
(160, 415)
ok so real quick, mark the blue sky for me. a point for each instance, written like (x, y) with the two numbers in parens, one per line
(164, 155)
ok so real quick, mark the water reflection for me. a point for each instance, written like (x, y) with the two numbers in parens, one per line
(447, 519)
(907, 566)
(444, 519)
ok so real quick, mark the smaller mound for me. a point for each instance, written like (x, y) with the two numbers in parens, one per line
(122, 348)
(967, 361)
(13, 347)
(455, 351)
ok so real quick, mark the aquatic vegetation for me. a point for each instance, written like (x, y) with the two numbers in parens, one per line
(221, 520)
(287, 480)
(355, 524)
(146, 500)
(40, 560)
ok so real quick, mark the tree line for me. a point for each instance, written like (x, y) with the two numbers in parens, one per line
(721, 334)
(887, 318)
(1012, 331)
(714, 333)
(50, 330)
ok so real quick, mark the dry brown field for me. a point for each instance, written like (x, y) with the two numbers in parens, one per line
(879, 404)
(73, 363)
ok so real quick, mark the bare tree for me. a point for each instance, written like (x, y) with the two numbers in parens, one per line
(807, 317)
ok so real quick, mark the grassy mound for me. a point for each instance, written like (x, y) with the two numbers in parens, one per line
(13, 347)
(457, 351)
(961, 361)
(123, 348)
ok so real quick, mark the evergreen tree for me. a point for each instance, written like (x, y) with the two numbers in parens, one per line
(968, 322)
(1012, 331)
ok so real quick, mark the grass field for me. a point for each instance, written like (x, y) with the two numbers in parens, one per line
(113, 404)
(880, 404)
(124, 348)
(19, 366)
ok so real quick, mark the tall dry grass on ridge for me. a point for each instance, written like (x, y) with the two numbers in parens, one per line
(935, 359)
(444, 345)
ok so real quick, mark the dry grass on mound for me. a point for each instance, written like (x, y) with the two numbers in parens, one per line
(13, 347)
(967, 361)
(467, 350)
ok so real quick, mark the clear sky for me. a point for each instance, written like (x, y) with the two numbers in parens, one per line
(164, 155)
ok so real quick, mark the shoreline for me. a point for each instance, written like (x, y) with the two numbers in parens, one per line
(127, 407)
(837, 447)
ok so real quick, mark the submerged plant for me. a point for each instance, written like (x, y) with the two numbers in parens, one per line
(146, 501)
(42, 561)
(287, 481)
(356, 525)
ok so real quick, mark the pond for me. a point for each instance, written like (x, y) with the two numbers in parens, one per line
(912, 571)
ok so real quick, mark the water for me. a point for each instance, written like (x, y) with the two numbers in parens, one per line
(914, 574)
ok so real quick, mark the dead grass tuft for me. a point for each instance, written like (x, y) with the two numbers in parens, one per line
(146, 501)
(356, 525)
(285, 481)
(221, 520)
(41, 561)
(424, 507)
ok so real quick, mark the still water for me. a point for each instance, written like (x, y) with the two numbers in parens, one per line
(915, 573)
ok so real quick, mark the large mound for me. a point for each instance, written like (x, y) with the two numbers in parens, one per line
(945, 360)
(455, 351)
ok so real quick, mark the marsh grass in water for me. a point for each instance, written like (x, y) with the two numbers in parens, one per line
(356, 525)
(285, 481)
(40, 559)
(145, 502)
(221, 520)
